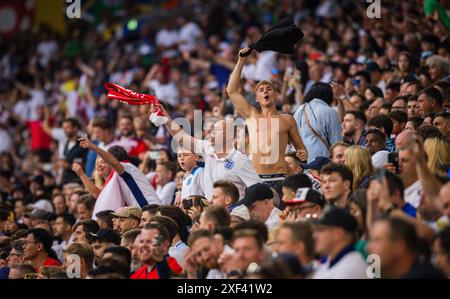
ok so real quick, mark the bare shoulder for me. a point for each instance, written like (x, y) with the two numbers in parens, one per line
(288, 118)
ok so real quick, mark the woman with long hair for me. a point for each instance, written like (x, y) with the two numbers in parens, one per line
(358, 159)
(438, 152)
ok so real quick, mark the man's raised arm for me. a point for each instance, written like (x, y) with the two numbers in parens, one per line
(175, 130)
(239, 102)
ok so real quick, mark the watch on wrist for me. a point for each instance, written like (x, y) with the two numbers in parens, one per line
(342, 97)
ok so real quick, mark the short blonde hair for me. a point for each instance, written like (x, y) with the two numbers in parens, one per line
(265, 82)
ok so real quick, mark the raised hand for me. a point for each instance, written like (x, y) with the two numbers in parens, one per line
(245, 52)
(86, 143)
(78, 169)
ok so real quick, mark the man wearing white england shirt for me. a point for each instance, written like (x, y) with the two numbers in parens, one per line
(222, 160)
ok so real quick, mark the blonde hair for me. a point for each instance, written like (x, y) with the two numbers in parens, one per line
(358, 159)
(265, 82)
(438, 152)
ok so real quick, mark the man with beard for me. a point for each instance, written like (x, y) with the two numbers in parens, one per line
(134, 146)
(201, 261)
(353, 128)
(154, 243)
(102, 240)
(69, 148)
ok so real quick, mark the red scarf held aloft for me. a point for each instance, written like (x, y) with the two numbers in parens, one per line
(127, 96)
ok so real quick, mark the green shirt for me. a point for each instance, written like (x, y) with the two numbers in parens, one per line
(430, 6)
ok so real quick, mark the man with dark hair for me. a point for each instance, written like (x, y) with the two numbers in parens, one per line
(154, 246)
(147, 213)
(392, 91)
(297, 238)
(164, 179)
(384, 124)
(317, 122)
(337, 182)
(429, 101)
(202, 261)
(413, 123)
(105, 219)
(353, 127)
(363, 80)
(442, 122)
(63, 228)
(85, 207)
(293, 163)
(400, 104)
(397, 199)
(335, 239)
(83, 228)
(249, 248)
(38, 249)
(311, 204)
(103, 239)
(127, 139)
(214, 217)
(68, 146)
(180, 217)
(399, 119)
(396, 243)
(376, 144)
(119, 252)
(225, 194)
(177, 247)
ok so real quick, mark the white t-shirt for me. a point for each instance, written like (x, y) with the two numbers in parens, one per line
(412, 194)
(59, 135)
(166, 193)
(351, 266)
(193, 183)
(235, 168)
(380, 158)
(273, 220)
(188, 36)
(167, 38)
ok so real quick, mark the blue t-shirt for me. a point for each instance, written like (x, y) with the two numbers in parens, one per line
(409, 209)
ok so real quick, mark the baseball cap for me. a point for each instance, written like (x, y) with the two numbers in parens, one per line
(317, 163)
(310, 196)
(128, 212)
(256, 192)
(107, 235)
(339, 217)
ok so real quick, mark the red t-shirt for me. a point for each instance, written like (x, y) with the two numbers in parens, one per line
(50, 262)
(39, 139)
(142, 273)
